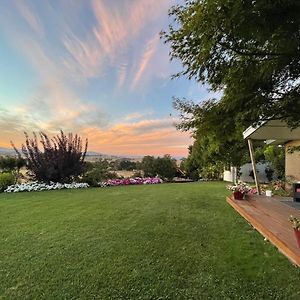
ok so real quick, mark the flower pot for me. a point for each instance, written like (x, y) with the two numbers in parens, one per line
(238, 195)
(297, 235)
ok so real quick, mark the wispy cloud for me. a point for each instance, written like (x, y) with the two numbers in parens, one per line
(30, 16)
(68, 54)
(147, 55)
(122, 72)
(84, 59)
(138, 115)
(108, 44)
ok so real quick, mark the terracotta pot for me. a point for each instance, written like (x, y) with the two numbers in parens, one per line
(297, 235)
(238, 195)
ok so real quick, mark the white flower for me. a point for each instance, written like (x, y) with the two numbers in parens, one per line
(36, 186)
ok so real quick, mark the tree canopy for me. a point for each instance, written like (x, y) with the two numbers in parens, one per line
(165, 166)
(249, 50)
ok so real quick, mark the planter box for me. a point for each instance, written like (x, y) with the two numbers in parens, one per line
(238, 195)
(297, 235)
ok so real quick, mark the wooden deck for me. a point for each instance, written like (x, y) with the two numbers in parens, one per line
(270, 217)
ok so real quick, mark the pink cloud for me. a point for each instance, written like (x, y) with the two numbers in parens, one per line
(111, 30)
(154, 137)
(85, 57)
(117, 27)
(147, 55)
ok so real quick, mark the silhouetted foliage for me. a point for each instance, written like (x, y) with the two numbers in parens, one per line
(10, 163)
(60, 160)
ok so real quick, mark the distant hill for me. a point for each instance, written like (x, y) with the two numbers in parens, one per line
(7, 151)
(90, 155)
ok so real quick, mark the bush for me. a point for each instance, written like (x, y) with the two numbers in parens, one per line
(275, 155)
(269, 173)
(60, 160)
(137, 174)
(95, 176)
(96, 172)
(6, 179)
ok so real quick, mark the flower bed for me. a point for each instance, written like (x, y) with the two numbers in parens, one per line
(38, 186)
(131, 181)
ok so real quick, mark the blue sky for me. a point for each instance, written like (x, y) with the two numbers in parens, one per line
(97, 68)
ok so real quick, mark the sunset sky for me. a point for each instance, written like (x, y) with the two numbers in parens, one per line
(97, 68)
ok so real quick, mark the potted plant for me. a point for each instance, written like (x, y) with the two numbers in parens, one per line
(239, 190)
(296, 225)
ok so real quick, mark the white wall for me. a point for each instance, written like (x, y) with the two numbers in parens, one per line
(229, 175)
(245, 170)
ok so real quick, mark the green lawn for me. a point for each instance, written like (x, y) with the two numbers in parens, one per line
(170, 241)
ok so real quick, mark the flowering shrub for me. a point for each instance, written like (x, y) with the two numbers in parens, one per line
(131, 181)
(252, 191)
(38, 186)
(296, 222)
(240, 187)
(278, 185)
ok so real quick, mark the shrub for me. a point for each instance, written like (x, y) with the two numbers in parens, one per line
(137, 174)
(97, 172)
(269, 173)
(6, 179)
(61, 159)
(94, 176)
(275, 155)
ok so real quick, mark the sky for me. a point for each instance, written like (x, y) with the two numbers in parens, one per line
(93, 67)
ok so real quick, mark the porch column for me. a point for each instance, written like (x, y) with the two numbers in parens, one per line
(250, 144)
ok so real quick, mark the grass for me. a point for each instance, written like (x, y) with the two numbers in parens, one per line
(170, 241)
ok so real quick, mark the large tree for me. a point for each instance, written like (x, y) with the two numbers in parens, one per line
(249, 50)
